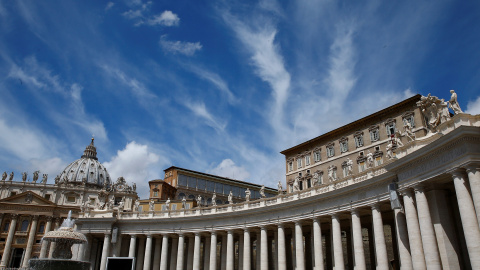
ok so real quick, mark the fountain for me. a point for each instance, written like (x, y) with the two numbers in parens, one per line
(64, 238)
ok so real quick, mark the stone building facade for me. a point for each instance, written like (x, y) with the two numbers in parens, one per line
(420, 211)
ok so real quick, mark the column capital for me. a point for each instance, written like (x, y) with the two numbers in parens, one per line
(281, 225)
(419, 188)
(355, 212)
(14, 216)
(215, 232)
(335, 215)
(472, 167)
(376, 206)
(457, 173)
(149, 235)
(246, 229)
(35, 217)
(49, 218)
(316, 219)
(133, 236)
(198, 233)
(407, 192)
(298, 222)
(108, 233)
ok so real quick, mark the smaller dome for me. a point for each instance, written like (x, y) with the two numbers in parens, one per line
(86, 170)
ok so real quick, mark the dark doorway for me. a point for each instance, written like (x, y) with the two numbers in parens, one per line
(17, 255)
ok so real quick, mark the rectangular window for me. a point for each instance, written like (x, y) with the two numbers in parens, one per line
(210, 186)
(410, 120)
(374, 136)
(299, 163)
(307, 160)
(182, 180)
(71, 199)
(317, 156)
(13, 193)
(192, 182)
(343, 146)
(47, 197)
(219, 188)
(330, 151)
(174, 207)
(290, 166)
(200, 184)
(155, 194)
(359, 141)
(390, 129)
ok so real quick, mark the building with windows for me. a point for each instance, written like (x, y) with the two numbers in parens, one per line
(31, 207)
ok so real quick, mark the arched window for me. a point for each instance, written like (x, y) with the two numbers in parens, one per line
(41, 227)
(24, 227)
(191, 197)
(181, 195)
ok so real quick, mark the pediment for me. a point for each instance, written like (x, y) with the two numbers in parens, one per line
(28, 198)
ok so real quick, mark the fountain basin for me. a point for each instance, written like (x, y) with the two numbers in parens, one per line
(57, 264)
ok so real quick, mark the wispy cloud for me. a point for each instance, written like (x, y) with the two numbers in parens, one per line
(473, 106)
(228, 168)
(199, 109)
(181, 47)
(109, 5)
(167, 18)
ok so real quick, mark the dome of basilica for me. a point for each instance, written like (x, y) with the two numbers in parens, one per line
(86, 170)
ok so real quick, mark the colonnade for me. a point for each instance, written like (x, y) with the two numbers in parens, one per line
(357, 238)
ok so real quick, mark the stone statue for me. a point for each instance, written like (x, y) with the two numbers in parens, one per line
(279, 187)
(134, 187)
(136, 206)
(453, 103)
(86, 206)
(247, 195)
(331, 176)
(199, 200)
(296, 185)
(262, 191)
(214, 199)
(349, 166)
(24, 176)
(184, 203)
(444, 113)
(230, 197)
(4, 176)
(370, 160)
(11, 177)
(151, 205)
(398, 142)
(409, 133)
(57, 179)
(121, 205)
(44, 178)
(167, 204)
(35, 176)
(432, 110)
(389, 151)
(111, 202)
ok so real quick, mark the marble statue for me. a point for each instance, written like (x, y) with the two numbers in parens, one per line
(136, 206)
(134, 186)
(398, 142)
(349, 166)
(199, 200)
(57, 179)
(111, 203)
(44, 178)
(4, 176)
(331, 175)
(444, 113)
(86, 206)
(279, 187)
(24, 176)
(184, 203)
(433, 110)
(121, 205)
(151, 205)
(214, 199)
(11, 177)
(409, 133)
(389, 151)
(296, 185)
(370, 160)
(262, 191)
(35, 176)
(247, 194)
(453, 103)
(230, 197)
(167, 204)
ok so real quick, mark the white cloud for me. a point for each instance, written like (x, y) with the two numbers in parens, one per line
(201, 111)
(215, 79)
(136, 163)
(227, 168)
(132, 14)
(473, 107)
(167, 18)
(109, 5)
(51, 166)
(186, 48)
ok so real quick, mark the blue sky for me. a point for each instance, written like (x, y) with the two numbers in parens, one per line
(216, 86)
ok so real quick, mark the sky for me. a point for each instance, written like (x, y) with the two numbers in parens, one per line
(216, 86)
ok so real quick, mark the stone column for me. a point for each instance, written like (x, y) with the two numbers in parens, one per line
(432, 257)
(378, 233)
(131, 250)
(148, 253)
(180, 252)
(164, 256)
(359, 253)
(8, 244)
(105, 251)
(213, 251)
(190, 250)
(246, 250)
(31, 238)
(196, 251)
(282, 256)
(402, 240)
(88, 248)
(206, 255)
(263, 248)
(317, 244)
(53, 244)
(299, 253)
(230, 247)
(156, 253)
(413, 227)
(44, 248)
(469, 218)
(140, 253)
(473, 172)
(337, 243)
(173, 254)
(118, 246)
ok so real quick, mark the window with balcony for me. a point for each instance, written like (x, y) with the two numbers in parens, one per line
(344, 146)
(330, 150)
(374, 134)
(316, 156)
(390, 127)
(358, 139)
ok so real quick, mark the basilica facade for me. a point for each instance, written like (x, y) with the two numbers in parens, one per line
(399, 189)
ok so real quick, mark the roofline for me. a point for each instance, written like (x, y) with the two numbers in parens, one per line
(220, 177)
(352, 124)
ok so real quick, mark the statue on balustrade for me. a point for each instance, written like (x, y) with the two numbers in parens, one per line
(230, 197)
(262, 191)
(296, 185)
(433, 109)
(369, 160)
(280, 188)
(136, 206)
(35, 176)
(4, 176)
(24, 176)
(167, 204)
(247, 194)
(199, 200)
(184, 203)
(409, 133)
(453, 103)
(11, 177)
(214, 199)
(151, 205)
